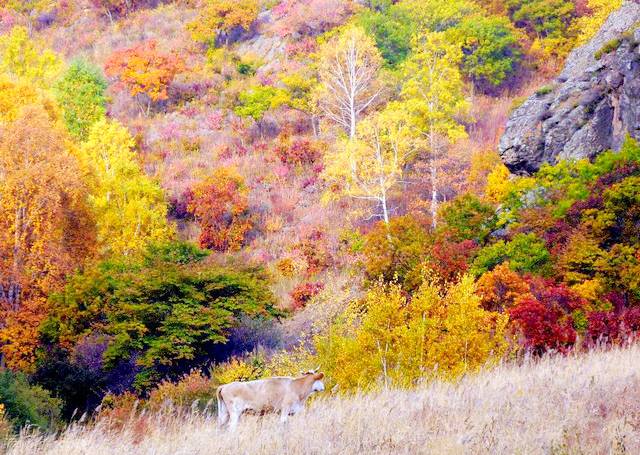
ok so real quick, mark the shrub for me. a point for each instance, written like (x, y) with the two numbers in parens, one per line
(297, 152)
(396, 251)
(500, 288)
(542, 91)
(219, 19)
(550, 317)
(467, 218)
(25, 404)
(168, 315)
(525, 253)
(609, 47)
(303, 293)
(388, 339)
(220, 205)
(193, 386)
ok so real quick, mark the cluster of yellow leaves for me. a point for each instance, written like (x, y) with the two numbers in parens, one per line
(388, 339)
(498, 184)
(27, 60)
(129, 207)
(588, 25)
(222, 16)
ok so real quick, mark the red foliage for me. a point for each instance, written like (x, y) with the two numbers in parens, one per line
(297, 152)
(451, 259)
(545, 320)
(603, 326)
(631, 320)
(303, 293)
(220, 204)
(543, 327)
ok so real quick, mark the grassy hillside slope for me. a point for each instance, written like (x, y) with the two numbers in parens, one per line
(585, 403)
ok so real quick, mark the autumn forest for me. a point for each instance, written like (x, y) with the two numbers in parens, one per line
(194, 192)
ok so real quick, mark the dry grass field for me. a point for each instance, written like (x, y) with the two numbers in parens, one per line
(582, 404)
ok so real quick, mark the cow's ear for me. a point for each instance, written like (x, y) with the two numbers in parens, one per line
(319, 376)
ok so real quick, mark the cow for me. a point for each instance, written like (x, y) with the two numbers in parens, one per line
(285, 395)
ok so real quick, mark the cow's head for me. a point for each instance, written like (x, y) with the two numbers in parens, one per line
(318, 385)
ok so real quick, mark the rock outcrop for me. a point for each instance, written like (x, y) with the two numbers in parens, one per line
(590, 108)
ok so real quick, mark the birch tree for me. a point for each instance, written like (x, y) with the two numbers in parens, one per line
(129, 207)
(433, 95)
(349, 67)
(371, 165)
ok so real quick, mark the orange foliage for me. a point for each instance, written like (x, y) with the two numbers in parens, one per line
(500, 288)
(45, 228)
(143, 69)
(220, 204)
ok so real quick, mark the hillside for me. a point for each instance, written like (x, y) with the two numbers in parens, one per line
(584, 403)
(196, 192)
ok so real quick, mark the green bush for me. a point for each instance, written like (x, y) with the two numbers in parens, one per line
(26, 404)
(525, 253)
(170, 313)
(609, 47)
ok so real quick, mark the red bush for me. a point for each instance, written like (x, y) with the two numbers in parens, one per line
(604, 326)
(542, 326)
(298, 152)
(303, 293)
(451, 259)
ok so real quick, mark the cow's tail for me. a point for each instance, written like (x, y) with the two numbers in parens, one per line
(223, 412)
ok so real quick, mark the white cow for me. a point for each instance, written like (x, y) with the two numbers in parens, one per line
(285, 395)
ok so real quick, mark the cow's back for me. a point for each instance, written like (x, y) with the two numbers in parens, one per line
(259, 395)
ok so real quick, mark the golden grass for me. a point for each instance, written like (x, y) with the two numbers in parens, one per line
(586, 403)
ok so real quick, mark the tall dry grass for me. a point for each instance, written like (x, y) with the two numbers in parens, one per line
(587, 404)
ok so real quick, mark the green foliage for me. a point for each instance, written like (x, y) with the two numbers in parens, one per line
(490, 47)
(81, 95)
(26, 404)
(168, 312)
(525, 253)
(542, 18)
(489, 43)
(545, 90)
(392, 31)
(561, 185)
(175, 253)
(257, 100)
(609, 47)
(467, 218)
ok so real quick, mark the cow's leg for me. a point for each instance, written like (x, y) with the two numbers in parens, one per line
(284, 413)
(234, 417)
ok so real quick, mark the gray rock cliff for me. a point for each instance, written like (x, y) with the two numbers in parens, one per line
(590, 108)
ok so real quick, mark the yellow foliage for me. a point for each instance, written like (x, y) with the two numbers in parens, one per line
(498, 184)
(129, 207)
(222, 16)
(238, 369)
(585, 27)
(25, 59)
(16, 94)
(389, 340)
(589, 290)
